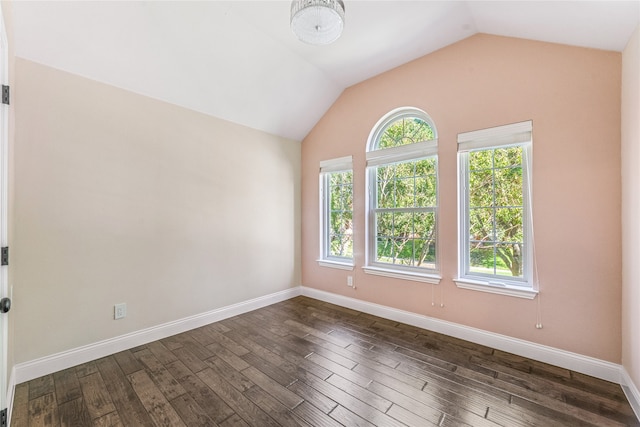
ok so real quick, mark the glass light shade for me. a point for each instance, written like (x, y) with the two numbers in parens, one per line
(317, 21)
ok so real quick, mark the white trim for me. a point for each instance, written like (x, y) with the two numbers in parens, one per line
(565, 359)
(631, 391)
(568, 360)
(406, 275)
(401, 153)
(335, 264)
(56, 362)
(336, 165)
(496, 288)
(515, 133)
(11, 390)
(5, 290)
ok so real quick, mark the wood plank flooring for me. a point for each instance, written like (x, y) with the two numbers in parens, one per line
(303, 362)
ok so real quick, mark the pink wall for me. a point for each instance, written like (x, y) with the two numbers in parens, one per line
(573, 97)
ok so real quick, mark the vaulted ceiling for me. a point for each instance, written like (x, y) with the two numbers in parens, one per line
(239, 61)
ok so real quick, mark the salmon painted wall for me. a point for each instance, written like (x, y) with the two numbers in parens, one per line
(573, 97)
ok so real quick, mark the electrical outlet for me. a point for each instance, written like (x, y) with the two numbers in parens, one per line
(120, 311)
(350, 281)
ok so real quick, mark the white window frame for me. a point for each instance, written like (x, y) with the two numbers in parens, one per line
(377, 157)
(327, 167)
(516, 134)
(5, 288)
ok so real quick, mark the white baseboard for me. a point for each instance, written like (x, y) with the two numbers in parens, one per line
(67, 359)
(564, 359)
(568, 360)
(631, 391)
(11, 388)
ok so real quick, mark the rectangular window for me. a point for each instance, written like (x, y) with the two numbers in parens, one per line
(496, 250)
(336, 218)
(405, 214)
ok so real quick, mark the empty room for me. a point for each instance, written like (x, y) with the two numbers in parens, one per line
(320, 213)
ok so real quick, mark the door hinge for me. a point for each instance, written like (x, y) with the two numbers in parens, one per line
(3, 418)
(5, 94)
(4, 255)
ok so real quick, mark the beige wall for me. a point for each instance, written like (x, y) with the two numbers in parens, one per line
(631, 208)
(573, 97)
(122, 198)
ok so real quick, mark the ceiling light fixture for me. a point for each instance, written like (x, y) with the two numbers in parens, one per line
(317, 21)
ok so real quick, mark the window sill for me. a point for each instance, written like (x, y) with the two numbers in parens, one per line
(335, 264)
(397, 274)
(500, 289)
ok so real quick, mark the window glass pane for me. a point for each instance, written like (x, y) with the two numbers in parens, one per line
(418, 130)
(508, 186)
(388, 139)
(338, 233)
(348, 247)
(335, 179)
(425, 254)
(425, 188)
(424, 225)
(385, 186)
(509, 226)
(405, 192)
(406, 238)
(495, 218)
(335, 200)
(481, 188)
(405, 131)
(426, 167)
(509, 259)
(384, 250)
(403, 225)
(347, 198)
(341, 245)
(405, 170)
(387, 234)
(425, 233)
(481, 258)
(481, 224)
(335, 222)
(403, 251)
(508, 156)
(384, 224)
(480, 160)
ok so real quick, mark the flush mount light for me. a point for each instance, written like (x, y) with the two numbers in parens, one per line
(317, 21)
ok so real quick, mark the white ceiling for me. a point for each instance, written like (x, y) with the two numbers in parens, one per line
(239, 61)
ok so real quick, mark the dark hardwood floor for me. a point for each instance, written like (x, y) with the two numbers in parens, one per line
(303, 362)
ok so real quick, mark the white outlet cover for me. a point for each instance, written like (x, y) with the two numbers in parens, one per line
(120, 311)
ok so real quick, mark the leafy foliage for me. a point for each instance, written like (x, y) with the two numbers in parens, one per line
(406, 200)
(496, 210)
(405, 131)
(341, 214)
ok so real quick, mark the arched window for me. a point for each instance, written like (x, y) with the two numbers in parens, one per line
(402, 168)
